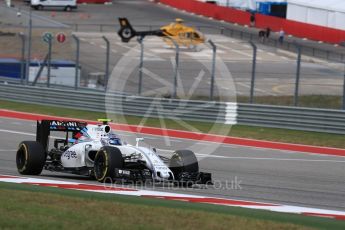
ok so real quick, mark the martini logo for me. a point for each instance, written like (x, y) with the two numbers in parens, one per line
(62, 123)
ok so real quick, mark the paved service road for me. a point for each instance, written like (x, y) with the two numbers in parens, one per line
(254, 174)
(276, 69)
(275, 73)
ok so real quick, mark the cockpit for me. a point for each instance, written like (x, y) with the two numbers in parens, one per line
(111, 139)
(190, 35)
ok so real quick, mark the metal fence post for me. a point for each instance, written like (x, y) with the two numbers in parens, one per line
(28, 57)
(141, 64)
(213, 71)
(39, 72)
(76, 60)
(22, 61)
(298, 71)
(176, 65)
(106, 77)
(176, 68)
(343, 105)
(252, 83)
(49, 61)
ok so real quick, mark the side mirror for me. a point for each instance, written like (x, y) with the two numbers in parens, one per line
(138, 140)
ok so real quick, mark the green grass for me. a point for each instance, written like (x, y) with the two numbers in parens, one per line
(271, 134)
(33, 207)
(313, 101)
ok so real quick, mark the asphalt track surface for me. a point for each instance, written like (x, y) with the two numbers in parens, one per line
(253, 174)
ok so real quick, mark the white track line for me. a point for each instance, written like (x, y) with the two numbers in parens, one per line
(237, 51)
(17, 132)
(120, 190)
(258, 158)
(269, 158)
(22, 133)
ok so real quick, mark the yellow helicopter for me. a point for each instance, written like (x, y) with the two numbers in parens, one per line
(183, 35)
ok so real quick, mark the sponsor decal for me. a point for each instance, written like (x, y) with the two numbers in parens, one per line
(97, 129)
(70, 154)
(64, 123)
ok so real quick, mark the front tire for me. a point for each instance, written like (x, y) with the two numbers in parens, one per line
(183, 161)
(107, 159)
(30, 158)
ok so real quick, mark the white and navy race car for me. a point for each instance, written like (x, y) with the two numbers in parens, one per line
(96, 151)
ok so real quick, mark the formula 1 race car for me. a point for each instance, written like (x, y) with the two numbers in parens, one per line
(96, 151)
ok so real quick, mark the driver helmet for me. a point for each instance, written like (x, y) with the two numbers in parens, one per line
(114, 139)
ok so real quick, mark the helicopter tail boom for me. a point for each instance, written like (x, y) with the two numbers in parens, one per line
(127, 32)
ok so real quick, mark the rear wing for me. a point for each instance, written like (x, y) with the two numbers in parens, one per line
(45, 126)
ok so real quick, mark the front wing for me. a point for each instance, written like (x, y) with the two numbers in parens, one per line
(145, 174)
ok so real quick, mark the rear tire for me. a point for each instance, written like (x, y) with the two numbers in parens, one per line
(183, 161)
(30, 158)
(106, 161)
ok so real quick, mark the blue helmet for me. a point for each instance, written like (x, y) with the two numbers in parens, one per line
(114, 140)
